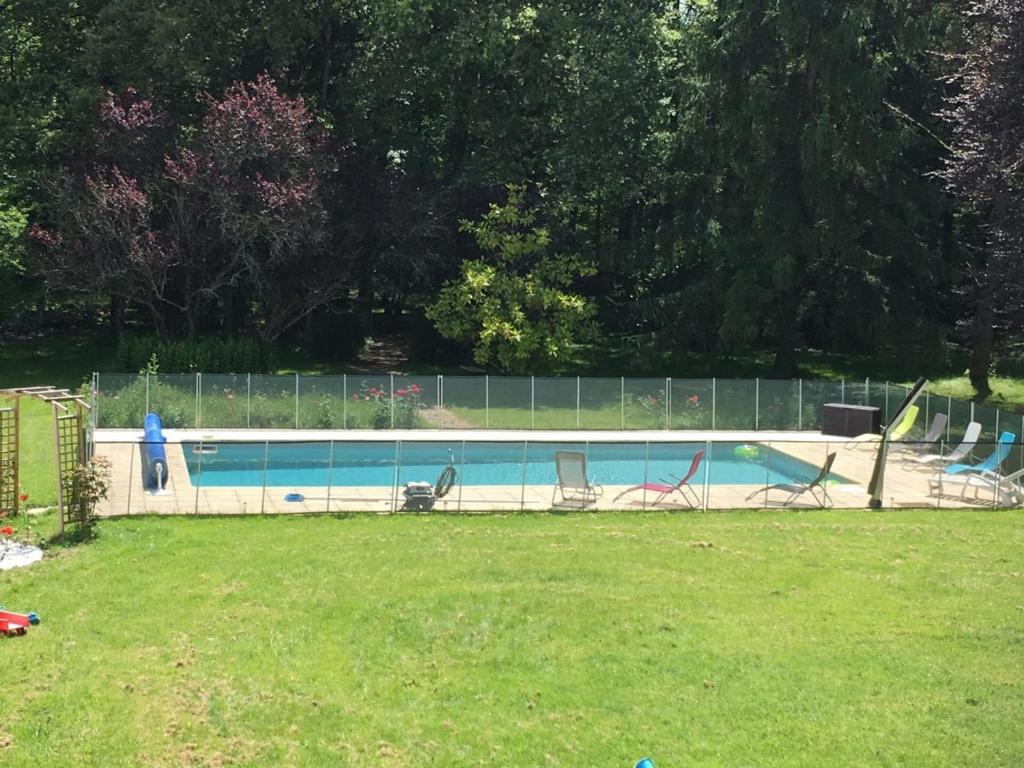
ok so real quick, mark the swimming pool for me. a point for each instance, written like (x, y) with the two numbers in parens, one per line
(370, 464)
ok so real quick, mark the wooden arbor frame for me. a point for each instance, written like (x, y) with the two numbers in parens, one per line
(70, 423)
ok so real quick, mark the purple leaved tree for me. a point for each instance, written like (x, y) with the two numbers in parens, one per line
(985, 168)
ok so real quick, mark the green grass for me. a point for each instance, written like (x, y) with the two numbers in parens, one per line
(796, 639)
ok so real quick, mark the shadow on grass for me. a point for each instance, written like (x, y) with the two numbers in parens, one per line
(73, 536)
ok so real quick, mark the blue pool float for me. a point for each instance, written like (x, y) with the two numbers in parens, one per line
(154, 452)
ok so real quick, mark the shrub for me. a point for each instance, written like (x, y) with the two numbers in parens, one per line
(206, 355)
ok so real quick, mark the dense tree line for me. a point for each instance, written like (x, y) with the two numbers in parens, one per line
(714, 177)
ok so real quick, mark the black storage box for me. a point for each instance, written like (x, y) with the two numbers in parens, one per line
(850, 420)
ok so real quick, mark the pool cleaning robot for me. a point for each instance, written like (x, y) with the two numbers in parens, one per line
(421, 495)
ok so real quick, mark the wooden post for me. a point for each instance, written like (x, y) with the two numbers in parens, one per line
(60, 484)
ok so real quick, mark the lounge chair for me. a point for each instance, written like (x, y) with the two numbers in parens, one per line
(905, 425)
(1006, 491)
(971, 435)
(933, 435)
(665, 489)
(798, 489)
(571, 467)
(990, 465)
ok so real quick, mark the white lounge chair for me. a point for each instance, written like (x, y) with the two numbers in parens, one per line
(971, 435)
(1006, 491)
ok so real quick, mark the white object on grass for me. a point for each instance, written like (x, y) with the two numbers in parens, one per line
(14, 554)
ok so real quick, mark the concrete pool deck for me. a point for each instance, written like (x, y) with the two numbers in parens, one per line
(906, 482)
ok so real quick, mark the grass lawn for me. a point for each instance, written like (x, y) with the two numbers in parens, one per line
(794, 639)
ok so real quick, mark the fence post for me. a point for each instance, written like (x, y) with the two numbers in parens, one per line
(668, 403)
(714, 387)
(266, 459)
(199, 479)
(147, 391)
(972, 410)
(533, 400)
(248, 400)
(440, 400)
(398, 469)
(577, 402)
(94, 400)
(344, 401)
(296, 400)
(927, 408)
(886, 401)
(867, 391)
(487, 401)
(391, 402)
(622, 402)
(799, 405)
(949, 412)
(522, 484)
(647, 461)
(705, 496)
(757, 404)
(199, 390)
(842, 390)
(330, 475)
(462, 474)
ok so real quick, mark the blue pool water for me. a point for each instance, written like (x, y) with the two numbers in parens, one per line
(299, 465)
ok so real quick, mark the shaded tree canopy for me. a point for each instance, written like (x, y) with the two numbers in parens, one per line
(985, 166)
(740, 175)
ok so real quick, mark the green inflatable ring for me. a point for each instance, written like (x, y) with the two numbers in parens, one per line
(748, 452)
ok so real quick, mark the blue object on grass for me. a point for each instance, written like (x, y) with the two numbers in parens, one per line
(645, 763)
(154, 453)
(33, 618)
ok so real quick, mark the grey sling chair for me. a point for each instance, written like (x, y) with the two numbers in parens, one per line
(573, 483)
(932, 436)
(798, 489)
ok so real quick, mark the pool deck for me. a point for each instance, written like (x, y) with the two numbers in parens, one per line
(906, 483)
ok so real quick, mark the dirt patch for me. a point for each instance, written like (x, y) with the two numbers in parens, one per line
(442, 418)
(388, 354)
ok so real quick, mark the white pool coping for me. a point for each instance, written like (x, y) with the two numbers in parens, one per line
(467, 435)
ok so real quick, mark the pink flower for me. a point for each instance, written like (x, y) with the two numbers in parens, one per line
(414, 388)
(7, 530)
(401, 392)
(374, 391)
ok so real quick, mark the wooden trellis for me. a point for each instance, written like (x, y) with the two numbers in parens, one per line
(9, 460)
(69, 431)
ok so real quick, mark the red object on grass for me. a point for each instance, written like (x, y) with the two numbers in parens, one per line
(12, 624)
(24, 497)
(7, 530)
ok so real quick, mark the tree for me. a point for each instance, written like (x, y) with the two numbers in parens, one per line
(250, 184)
(985, 167)
(802, 186)
(106, 244)
(233, 222)
(515, 305)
